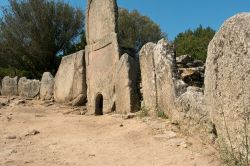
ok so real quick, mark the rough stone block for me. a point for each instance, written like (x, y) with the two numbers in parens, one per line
(70, 79)
(227, 77)
(9, 86)
(47, 86)
(28, 88)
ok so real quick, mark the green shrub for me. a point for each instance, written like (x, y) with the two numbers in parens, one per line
(15, 72)
(230, 157)
(144, 112)
(161, 114)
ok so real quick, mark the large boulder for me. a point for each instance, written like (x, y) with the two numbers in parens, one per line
(227, 78)
(70, 80)
(28, 88)
(192, 115)
(127, 98)
(47, 86)
(9, 86)
(160, 83)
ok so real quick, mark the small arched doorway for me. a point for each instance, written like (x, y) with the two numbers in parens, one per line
(99, 105)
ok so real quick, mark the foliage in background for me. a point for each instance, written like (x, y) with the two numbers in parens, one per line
(194, 43)
(77, 46)
(12, 72)
(135, 30)
(34, 32)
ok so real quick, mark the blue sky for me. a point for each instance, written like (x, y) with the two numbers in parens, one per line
(175, 16)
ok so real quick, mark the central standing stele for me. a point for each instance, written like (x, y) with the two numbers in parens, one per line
(111, 78)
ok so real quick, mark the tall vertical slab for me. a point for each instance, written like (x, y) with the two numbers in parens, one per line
(102, 54)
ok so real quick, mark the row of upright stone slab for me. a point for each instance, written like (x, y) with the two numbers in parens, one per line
(108, 81)
(223, 110)
(163, 90)
(28, 88)
(160, 81)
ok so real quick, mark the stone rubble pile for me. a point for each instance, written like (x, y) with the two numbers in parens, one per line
(191, 70)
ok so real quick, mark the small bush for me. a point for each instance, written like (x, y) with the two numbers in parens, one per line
(161, 114)
(12, 72)
(143, 112)
(237, 156)
(229, 157)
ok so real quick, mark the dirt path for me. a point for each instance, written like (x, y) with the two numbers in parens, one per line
(77, 140)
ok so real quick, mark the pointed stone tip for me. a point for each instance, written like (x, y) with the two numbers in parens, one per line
(163, 41)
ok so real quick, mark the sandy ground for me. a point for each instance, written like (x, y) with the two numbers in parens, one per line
(87, 140)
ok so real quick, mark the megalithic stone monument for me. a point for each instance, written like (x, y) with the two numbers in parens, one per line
(107, 90)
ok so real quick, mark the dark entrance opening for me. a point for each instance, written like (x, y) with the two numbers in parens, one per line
(99, 105)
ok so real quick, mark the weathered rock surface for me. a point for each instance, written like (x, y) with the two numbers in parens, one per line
(159, 77)
(102, 56)
(28, 88)
(227, 78)
(47, 86)
(183, 60)
(101, 19)
(166, 75)
(191, 70)
(191, 113)
(9, 86)
(148, 76)
(193, 76)
(70, 79)
(127, 99)
(4, 102)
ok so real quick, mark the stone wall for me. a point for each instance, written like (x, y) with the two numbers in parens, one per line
(27, 88)
(163, 90)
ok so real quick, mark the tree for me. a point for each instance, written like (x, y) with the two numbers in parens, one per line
(34, 32)
(78, 45)
(194, 43)
(135, 30)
